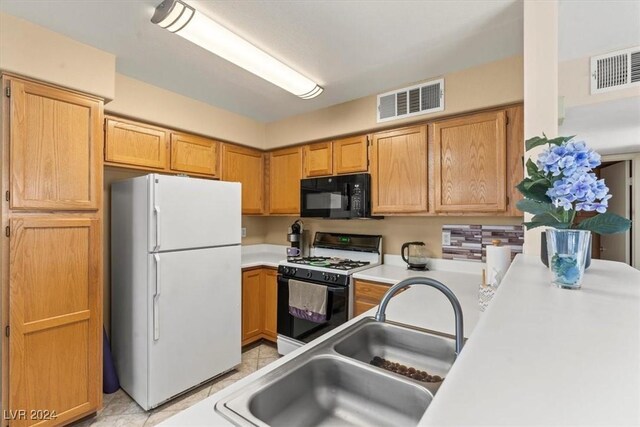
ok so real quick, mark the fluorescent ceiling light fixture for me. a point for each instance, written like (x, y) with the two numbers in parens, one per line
(180, 18)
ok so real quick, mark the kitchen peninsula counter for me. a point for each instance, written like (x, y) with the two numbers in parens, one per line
(539, 355)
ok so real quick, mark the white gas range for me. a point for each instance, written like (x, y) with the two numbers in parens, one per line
(334, 258)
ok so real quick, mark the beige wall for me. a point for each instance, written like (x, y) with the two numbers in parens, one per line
(574, 84)
(495, 83)
(140, 100)
(541, 83)
(395, 230)
(33, 51)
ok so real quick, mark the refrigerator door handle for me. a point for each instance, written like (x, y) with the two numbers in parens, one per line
(156, 209)
(156, 318)
(157, 258)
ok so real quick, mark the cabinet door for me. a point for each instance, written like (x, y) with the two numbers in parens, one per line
(470, 163)
(285, 172)
(252, 314)
(270, 304)
(56, 148)
(55, 286)
(350, 155)
(399, 171)
(318, 160)
(193, 154)
(135, 144)
(245, 166)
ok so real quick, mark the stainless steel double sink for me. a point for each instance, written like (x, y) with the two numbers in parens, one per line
(334, 383)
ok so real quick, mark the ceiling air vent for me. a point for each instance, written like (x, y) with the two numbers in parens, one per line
(411, 101)
(615, 70)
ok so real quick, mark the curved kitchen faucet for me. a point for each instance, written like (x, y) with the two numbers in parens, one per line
(380, 315)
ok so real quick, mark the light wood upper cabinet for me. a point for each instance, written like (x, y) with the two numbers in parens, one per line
(245, 166)
(399, 171)
(350, 155)
(285, 172)
(251, 305)
(270, 303)
(135, 144)
(55, 148)
(194, 154)
(318, 159)
(470, 163)
(55, 287)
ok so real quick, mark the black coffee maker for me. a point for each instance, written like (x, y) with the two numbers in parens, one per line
(298, 240)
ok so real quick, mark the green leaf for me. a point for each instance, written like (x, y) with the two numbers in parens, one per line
(533, 192)
(535, 142)
(545, 219)
(543, 182)
(535, 207)
(532, 169)
(560, 140)
(605, 223)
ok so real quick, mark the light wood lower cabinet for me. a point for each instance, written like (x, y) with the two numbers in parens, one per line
(368, 295)
(246, 166)
(135, 145)
(252, 305)
(470, 162)
(259, 304)
(56, 326)
(195, 155)
(399, 171)
(285, 172)
(270, 304)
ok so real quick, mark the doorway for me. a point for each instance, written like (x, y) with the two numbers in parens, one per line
(620, 173)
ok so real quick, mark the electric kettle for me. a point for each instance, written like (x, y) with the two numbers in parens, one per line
(415, 255)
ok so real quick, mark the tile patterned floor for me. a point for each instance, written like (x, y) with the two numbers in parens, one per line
(119, 410)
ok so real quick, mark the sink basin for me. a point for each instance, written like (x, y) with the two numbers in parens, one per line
(410, 347)
(334, 384)
(329, 390)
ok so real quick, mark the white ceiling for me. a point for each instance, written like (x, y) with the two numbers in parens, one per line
(593, 27)
(608, 127)
(352, 48)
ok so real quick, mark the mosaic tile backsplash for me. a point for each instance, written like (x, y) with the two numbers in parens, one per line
(468, 242)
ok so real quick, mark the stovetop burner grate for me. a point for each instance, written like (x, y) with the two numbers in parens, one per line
(335, 263)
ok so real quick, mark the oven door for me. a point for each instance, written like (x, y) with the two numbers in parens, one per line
(305, 330)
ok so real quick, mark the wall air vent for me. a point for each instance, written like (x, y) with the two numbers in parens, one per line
(615, 70)
(411, 101)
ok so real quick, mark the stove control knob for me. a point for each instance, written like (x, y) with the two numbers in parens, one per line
(294, 270)
(309, 273)
(335, 278)
(285, 270)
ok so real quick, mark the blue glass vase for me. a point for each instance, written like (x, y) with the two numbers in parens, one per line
(567, 251)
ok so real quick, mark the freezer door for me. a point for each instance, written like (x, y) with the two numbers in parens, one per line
(189, 213)
(194, 318)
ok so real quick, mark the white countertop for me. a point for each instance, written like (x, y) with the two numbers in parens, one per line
(538, 356)
(262, 255)
(547, 356)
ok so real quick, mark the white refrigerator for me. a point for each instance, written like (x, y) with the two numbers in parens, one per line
(175, 283)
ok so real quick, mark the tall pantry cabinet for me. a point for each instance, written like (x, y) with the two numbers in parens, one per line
(52, 147)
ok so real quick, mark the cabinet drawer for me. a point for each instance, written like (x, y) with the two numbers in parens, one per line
(361, 306)
(371, 292)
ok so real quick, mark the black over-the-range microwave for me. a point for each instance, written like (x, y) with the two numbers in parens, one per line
(337, 197)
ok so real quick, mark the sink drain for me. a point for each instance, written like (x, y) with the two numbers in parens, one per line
(409, 372)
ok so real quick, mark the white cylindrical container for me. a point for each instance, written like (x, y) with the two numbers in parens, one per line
(498, 261)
